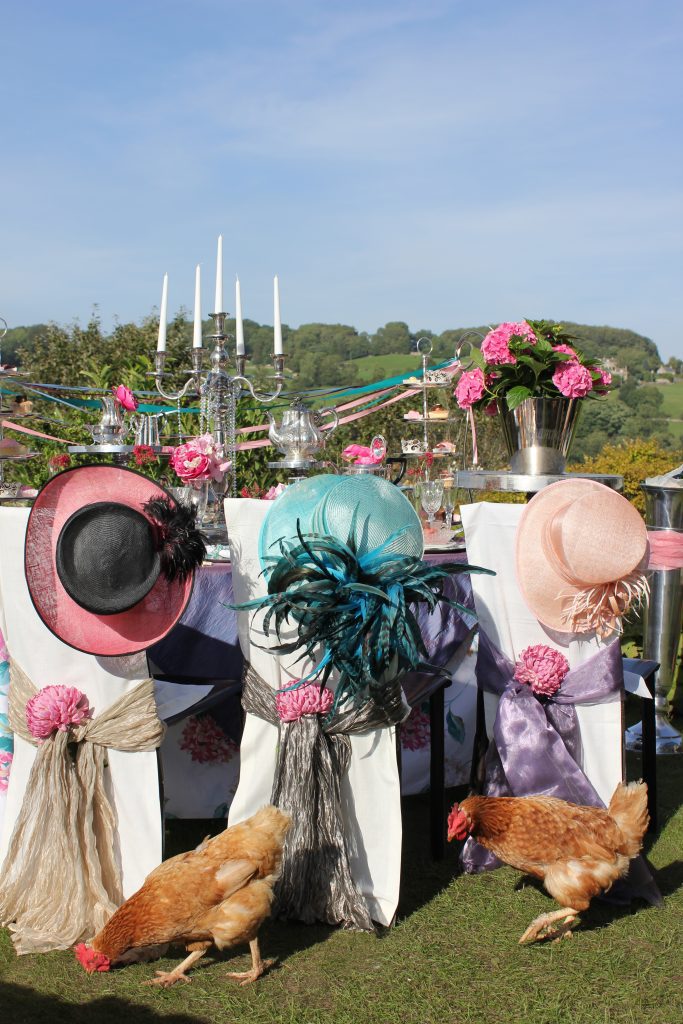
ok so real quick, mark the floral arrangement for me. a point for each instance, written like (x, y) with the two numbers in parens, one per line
(529, 359)
(56, 708)
(310, 699)
(205, 741)
(56, 463)
(200, 458)
(125, 397)
(542, 668)
(144, 455)
(257, 492)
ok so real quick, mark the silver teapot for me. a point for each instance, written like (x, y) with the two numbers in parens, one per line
(299, 436)
(147, 427)
(112, 428)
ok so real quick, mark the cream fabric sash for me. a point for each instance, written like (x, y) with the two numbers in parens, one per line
(61, 879)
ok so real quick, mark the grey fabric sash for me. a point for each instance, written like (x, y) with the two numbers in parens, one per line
(313, 756)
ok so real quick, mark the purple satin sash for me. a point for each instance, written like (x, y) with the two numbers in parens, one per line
(536, 747)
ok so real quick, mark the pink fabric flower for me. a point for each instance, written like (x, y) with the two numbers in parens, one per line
(543, 668)
(200, 458)
(5, 765)
(304, 700)
(56, 707)
(360, 455)
(125, 397)
(205, 741)
(573, 380)
(470, 388)
(274, 492)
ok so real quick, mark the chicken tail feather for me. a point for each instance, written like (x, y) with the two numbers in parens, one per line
(628, 808)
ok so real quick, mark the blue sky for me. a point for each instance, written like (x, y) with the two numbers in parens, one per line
(434, 161)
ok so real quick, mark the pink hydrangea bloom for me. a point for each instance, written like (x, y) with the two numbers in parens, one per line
(200, 458)
(567, 350)
(56, 707)
(495, 347)
(304, 700)
(125, 397)
(573, 380)
(543, 668)
(470, 388)
(601, 386)
(5, 765)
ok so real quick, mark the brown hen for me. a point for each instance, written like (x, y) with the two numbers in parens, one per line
(219, 893)
(577, 851)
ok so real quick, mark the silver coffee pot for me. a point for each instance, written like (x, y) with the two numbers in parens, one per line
(147, 427)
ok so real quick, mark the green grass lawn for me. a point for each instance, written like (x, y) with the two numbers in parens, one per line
(374, 368)
(452, 958)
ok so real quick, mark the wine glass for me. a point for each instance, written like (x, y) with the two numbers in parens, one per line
(448, 505)
(431, 496)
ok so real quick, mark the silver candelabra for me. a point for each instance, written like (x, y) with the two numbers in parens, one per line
(219, 391)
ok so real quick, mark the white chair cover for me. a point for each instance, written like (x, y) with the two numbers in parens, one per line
(371, 789)
(133, 777)
(490, 537)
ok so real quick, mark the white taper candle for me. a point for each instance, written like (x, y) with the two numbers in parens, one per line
(218, 304)
(277, 325)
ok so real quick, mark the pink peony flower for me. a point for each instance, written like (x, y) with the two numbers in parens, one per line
(304, 700)
(543, 668)
(274, 492)
(125, 397)
(573, 380)
(5, 765)
(200, 458)
(56, 707)
(470, 388)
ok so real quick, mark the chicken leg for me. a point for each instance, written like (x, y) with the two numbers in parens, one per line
(258, 966)
(168, 978)
(541, 928)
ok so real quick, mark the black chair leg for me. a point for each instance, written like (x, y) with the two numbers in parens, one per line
(437, 774)
(649, 753)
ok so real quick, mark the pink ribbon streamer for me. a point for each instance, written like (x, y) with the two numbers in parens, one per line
(666, 549)
(34, 433)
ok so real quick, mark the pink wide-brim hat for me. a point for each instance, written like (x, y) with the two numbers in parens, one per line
(124, 632)
(580, 551)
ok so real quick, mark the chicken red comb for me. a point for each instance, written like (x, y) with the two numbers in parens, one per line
(458, 824)
(91, 959)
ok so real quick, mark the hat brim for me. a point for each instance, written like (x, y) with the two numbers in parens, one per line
(112, 635)
(545, 592)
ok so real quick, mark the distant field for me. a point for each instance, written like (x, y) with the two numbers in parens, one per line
(372, 368)
(673, 399)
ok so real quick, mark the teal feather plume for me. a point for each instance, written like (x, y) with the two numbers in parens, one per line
(356, 609)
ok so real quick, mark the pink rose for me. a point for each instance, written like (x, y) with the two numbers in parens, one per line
(56, 707)
(542, 668)
(199, 459)
(573, 380)
(125, 397)
(470, 388)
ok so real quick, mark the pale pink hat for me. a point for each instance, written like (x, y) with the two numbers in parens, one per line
(580, 551)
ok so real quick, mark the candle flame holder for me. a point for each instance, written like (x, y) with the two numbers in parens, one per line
(219, 391)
